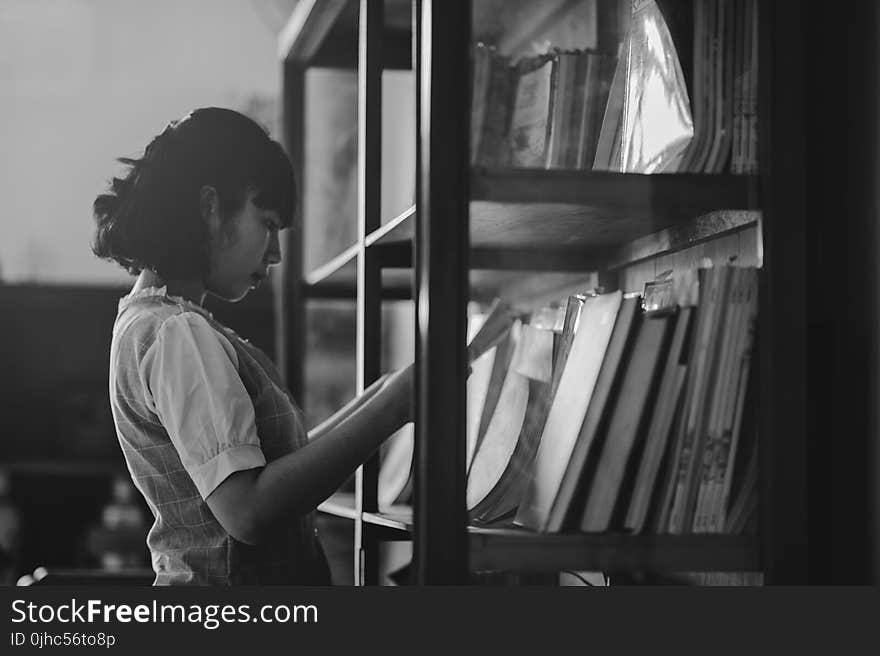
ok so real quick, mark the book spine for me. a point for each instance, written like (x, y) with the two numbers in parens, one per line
(728, 457)
(684, 501)
(661, 421)
(727, 335)
(481, 65)
(711, 381)
(737, 324)
(493, 149)
(753, 96)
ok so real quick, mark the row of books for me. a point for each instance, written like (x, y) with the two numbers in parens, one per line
(725, 88)
(544, 112)
(613, 412)
(612, 417)
(588, 110)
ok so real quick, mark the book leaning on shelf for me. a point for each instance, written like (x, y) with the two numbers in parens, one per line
(540, 112)
(625, 420)
(506, 449)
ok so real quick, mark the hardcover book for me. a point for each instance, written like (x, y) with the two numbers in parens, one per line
(569, 406)
(622, 447)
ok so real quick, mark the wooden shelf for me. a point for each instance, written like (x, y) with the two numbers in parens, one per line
(516, 549)
(521, 550)
(338, 279)
(324, 33)
(596, 220)
(514, 229)
(395, 523)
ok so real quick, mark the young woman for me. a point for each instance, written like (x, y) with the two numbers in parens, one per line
(211, 437)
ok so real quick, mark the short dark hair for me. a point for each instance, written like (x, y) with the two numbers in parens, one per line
(151, 219)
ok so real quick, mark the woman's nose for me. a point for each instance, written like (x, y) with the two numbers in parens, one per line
(273, 253)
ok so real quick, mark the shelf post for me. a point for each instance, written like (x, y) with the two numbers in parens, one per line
(288, 291)
(369, 291)
(784, 406)
(441, 264)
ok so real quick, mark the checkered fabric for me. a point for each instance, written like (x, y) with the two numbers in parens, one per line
(186, 542)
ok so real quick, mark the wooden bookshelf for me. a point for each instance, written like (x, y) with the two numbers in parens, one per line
(338, 279)
(521, 225)
(516, 549)
(583, 221)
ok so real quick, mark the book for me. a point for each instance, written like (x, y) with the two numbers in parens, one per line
(745, 501)
(531, 111)
(736, 161)
(511, 439)
(395, 470)
(710, 49)
(477, 389)
(739, 416)
(497, 444)
(668, 403)
(577, 471)
(752, 91)
(579, 93)
(490, 109)
(607, 157)
(500, 364)
(719, 84)
(481, 71)
(722, 162)
(493, 329)
(559, 129)
(508, 492)
(569, 405)
(691, 441)
(621, 449)
(725, 419)
(598, 76)
(698, 89)
(728, 336)
(573, 308)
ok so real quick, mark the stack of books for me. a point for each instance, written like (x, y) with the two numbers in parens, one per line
(725, 88)
(615, 412)
(569, 109)
(543, 112)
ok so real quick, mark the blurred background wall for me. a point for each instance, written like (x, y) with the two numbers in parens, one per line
(85, 81)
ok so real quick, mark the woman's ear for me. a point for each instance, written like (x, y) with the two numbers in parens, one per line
(209, 207)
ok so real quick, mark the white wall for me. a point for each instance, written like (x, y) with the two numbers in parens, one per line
(85, 81)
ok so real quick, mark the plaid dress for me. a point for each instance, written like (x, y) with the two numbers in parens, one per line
(176, 470)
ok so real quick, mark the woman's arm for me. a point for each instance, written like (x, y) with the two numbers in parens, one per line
(345, 411)
(249, 504)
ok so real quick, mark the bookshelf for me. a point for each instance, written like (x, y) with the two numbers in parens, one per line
(476, 232)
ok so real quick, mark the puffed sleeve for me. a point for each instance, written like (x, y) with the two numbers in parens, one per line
(190, 374)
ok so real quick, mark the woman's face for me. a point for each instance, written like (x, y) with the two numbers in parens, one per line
(243, 247)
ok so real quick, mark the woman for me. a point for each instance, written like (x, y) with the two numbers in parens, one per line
(212, 439)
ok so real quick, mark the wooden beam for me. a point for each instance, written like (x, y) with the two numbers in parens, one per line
(306, 29)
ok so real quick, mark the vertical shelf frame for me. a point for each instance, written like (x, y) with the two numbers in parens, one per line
(440, 546)
(290, 327)
(783, 303)
(369, 281)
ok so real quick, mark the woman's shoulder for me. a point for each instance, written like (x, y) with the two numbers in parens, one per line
(144, 314)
